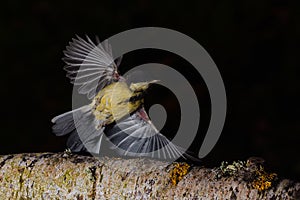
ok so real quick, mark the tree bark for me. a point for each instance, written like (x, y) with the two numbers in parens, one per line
(69, 176)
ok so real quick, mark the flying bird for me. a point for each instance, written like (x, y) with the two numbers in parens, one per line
(116, 110)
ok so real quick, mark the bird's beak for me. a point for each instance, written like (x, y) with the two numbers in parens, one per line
(153, 81)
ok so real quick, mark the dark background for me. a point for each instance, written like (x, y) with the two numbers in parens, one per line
(254, 44)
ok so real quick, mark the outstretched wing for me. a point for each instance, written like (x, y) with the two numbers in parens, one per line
(90, 65)
(137, 136)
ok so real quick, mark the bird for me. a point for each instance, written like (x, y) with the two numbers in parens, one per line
(116, 109)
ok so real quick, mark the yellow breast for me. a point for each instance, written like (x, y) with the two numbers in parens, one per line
(111, 103)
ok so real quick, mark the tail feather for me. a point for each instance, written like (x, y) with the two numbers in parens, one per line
(74, 142)
(64, 123)
(81, 125)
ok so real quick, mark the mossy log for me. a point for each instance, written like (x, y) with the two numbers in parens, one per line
(69, 176)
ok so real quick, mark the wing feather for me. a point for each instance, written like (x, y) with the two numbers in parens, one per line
(136, 136)
(90, 65)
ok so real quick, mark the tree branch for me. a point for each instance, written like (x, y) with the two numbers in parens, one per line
(68, 176)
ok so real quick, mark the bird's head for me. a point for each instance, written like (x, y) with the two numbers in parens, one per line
(141, 86)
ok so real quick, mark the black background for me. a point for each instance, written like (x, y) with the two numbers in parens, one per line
(254, 44)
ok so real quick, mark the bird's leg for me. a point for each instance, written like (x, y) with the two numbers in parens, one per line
(142, 114)
(100, 125)
(103, 123)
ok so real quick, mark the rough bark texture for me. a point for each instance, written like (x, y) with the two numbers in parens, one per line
(67, 176)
